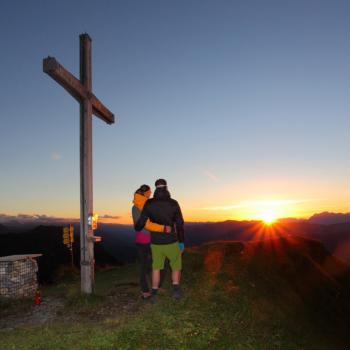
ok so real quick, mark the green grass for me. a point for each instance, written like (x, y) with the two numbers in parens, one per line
(230, 302)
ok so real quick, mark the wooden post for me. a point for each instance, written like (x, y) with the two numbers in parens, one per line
(86, 195)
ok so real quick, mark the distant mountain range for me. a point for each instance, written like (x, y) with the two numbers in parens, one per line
(118, 240)
(22, 223)
(118, 246)
(3, 229)
(327, 218)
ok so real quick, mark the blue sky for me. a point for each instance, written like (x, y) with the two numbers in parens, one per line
(231, 101)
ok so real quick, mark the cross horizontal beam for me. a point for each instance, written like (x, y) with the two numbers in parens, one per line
(73, 85)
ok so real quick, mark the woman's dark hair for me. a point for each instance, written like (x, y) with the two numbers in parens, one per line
(143, 189)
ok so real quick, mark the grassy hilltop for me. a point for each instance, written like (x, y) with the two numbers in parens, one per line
(283, 293)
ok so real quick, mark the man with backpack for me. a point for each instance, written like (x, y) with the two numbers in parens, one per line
(164, 210)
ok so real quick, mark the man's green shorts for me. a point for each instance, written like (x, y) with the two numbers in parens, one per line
(170, 251)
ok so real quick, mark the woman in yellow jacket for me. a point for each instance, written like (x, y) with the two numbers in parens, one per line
(143, 238)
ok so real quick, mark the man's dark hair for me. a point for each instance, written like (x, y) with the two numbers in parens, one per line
(142, 189)
(160, 183)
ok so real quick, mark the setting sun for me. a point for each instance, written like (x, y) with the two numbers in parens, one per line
(269, 217)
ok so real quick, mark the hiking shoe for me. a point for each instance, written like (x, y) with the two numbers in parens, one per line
(154, 298)
(176, 294)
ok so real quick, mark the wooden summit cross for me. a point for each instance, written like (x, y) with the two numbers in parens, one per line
(81, 90)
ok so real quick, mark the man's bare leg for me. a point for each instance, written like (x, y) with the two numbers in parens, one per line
(175, 277)
(155, 279)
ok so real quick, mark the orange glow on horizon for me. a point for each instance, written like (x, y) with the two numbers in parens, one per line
(268, 209)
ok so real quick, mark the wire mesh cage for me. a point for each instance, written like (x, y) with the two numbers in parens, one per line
(18, 275)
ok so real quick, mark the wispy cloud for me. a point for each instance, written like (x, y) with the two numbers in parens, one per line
(277, 202)
(211, 175)
(42, 219)
(225, 207)
(34, 218)
(258, 203)
(56, 156)
(106, 216)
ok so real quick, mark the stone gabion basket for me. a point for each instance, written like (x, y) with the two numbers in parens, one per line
(18, 275)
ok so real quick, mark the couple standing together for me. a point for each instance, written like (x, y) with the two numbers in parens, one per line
(163, 239)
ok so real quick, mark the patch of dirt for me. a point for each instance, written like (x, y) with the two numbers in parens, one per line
(37, 315)
(120, 300)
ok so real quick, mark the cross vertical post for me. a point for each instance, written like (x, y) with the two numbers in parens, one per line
(86, 194)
